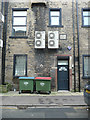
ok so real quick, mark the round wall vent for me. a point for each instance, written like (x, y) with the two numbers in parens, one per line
(38, 43)
(51, 43)
(38, 35)
(51, 35)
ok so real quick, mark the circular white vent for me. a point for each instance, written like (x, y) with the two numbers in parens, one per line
(38, 35)
(38, 43)
(51, 43)
(51, 35)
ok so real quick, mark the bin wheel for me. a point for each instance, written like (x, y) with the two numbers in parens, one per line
(49, 92)
(31, 92)
(20, 92)
(38, 92)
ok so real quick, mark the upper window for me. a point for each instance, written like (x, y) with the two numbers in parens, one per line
(19, 22)
(86, 66)
(20, 65)
(86, 17)
(55, 17)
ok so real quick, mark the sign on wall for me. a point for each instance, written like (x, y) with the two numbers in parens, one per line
(63, 37)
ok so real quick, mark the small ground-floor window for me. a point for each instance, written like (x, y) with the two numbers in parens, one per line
(20, 65)
(86, 66)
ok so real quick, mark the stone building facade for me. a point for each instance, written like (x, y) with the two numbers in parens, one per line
(1, 31)
(40, 42)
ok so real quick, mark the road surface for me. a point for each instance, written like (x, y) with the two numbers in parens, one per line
(63, 112)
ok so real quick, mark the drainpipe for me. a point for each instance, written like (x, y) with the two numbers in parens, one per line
(74, 45)
(4, 41)
(78, 45)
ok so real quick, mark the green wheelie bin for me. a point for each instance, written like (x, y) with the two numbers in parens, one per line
(43, 84)
(26, 84)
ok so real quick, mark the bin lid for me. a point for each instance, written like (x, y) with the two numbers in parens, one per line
(26, 77)
(43, 78)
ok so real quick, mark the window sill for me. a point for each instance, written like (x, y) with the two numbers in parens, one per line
(18, 37)
(19, 76)
(85, 77)
(55, 26)
(83, 26)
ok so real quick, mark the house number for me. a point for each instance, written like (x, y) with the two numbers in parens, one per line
(25, 83)
(42, 84)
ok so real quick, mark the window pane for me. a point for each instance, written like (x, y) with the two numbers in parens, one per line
(19, 21)
(62, 62)
(19, 13)
(86, 13)
(54, 20)
(19, 28)
(86, 66)
(55, 13)
(86, 20)
(20, 66)
(17, 31)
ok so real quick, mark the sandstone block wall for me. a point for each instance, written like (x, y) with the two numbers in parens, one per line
(44, 62)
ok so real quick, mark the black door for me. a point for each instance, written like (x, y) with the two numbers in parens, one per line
(63, 75)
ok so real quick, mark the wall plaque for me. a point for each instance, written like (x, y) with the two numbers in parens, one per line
(63, 37)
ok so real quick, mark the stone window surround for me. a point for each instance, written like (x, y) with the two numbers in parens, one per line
(84, 9)
(84, 77)
(60, 17)
(19, 9)
(14, 65)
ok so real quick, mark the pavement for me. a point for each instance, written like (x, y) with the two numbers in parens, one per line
(55, 99)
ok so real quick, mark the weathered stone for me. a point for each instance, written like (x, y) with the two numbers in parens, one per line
(44, 62)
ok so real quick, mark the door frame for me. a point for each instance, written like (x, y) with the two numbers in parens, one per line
(64, 58)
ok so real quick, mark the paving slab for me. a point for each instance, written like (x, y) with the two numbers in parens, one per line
(54, 99)
(62, 93)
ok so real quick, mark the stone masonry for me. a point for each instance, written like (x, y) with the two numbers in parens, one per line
(1, 31)
(44, 62)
